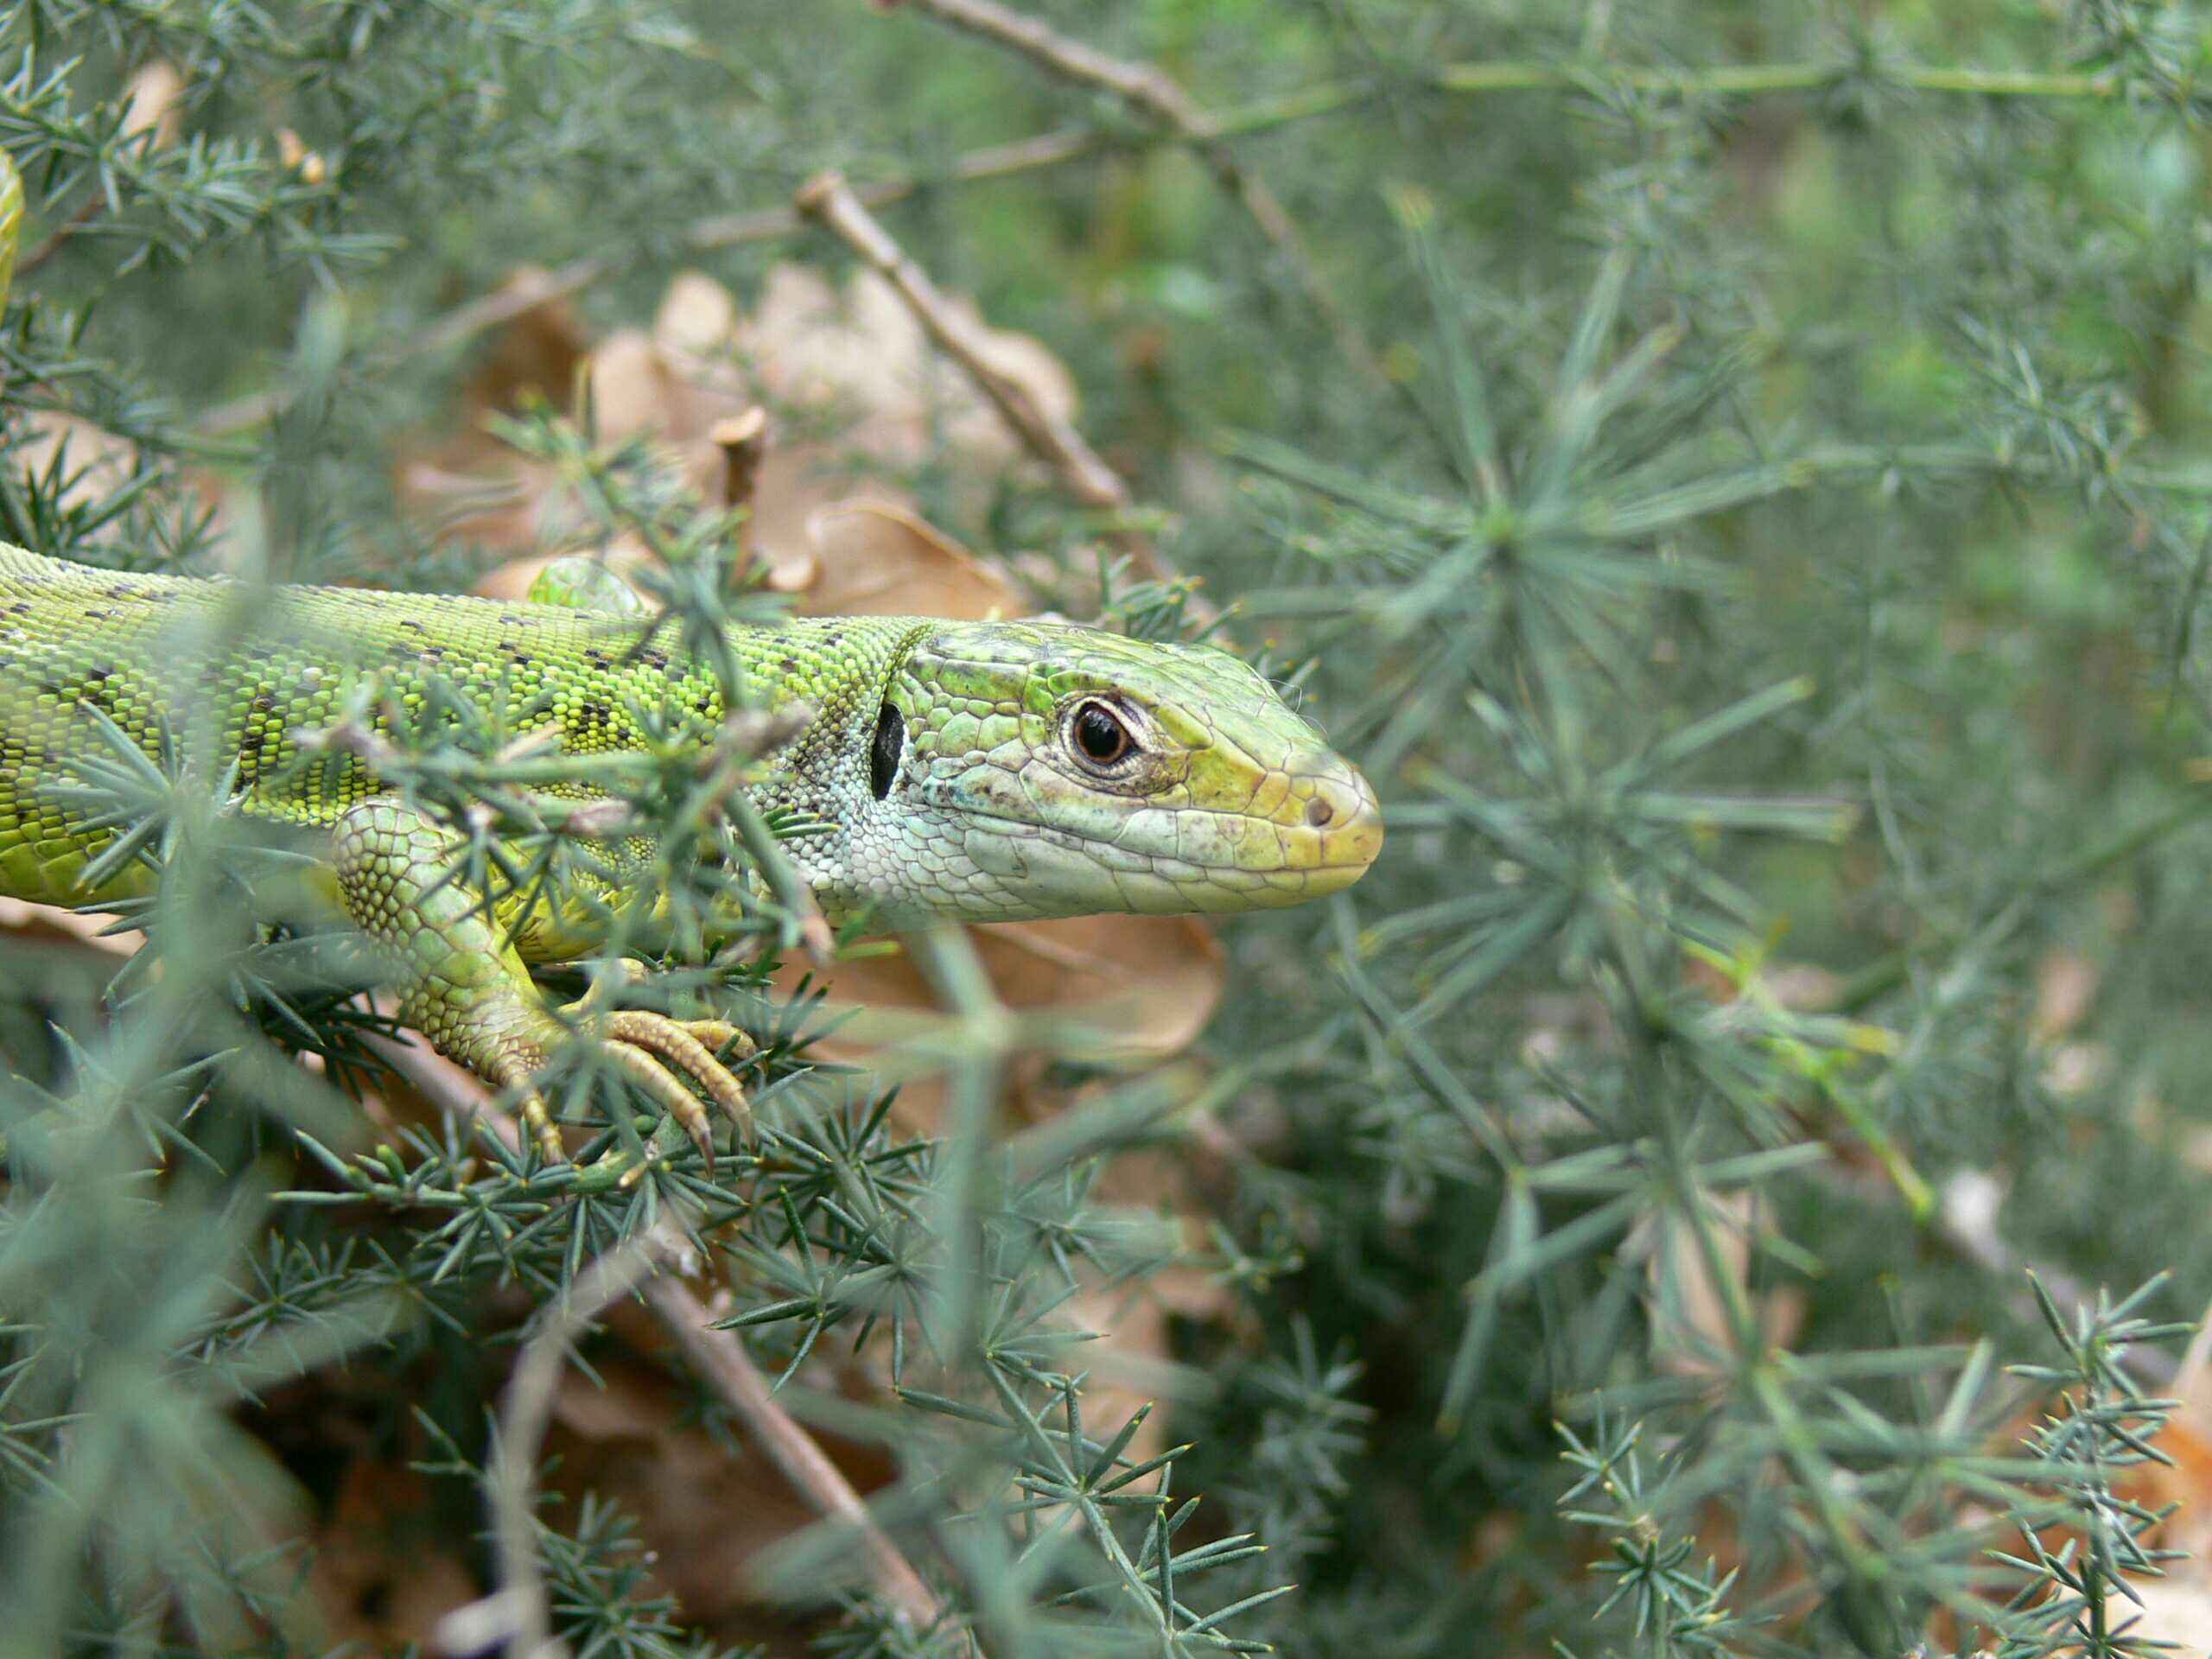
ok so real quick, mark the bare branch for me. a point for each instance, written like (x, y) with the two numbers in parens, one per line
(718, 1357)
(996, 162)
(519, 1604)
(1082, 470)
(512, 299)
(1155, 95)
(1140, 84)
(828, 198)
(1143, 88)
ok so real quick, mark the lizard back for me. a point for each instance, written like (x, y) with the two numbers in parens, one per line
(244, 674)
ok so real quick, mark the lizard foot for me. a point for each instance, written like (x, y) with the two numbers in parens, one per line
(466, 988)
(656, 1052)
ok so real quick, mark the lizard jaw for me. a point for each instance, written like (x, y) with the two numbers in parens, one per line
(985, 865)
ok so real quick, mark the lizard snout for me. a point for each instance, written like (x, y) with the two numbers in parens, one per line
(1345, 819)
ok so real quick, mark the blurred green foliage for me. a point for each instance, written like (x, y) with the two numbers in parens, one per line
(1763, 561)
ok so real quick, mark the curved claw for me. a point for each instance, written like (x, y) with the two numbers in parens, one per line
(538, 1123)
(622, 972)
(656, 1053)
(679, 1043)
(719, 1035)
(659, 1085)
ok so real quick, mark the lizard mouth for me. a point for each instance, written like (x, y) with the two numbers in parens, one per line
(1323, 837)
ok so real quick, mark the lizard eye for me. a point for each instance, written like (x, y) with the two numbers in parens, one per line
(1100, 738)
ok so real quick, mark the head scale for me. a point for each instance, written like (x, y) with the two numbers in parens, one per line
(1018, 770)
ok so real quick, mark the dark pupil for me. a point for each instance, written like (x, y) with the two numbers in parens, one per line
(1103, 738)
(883, 754)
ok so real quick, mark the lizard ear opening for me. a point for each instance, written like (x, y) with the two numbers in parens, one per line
(884, 754)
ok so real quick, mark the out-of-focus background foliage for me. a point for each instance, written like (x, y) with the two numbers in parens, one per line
(1735, 474)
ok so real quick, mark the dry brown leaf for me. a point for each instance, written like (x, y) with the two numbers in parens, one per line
(861, 354)
(698, 318)
(387, 1562)
(92, 461)
(536, 353)
(2176, 1609)
(811, 345)
(151, 104)
(95, 464)
(858, 358)
(2066, 987)
(1150, 982)
(1682, 1282)
(878, 559)
(703, 1511)
(20, 915)
(637, 393)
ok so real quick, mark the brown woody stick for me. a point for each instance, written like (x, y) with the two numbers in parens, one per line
(743, 440)
(1082, 470)
(511, 300)
(718, 1357)
(517, 1616)
(1160, 98)
(828, 198)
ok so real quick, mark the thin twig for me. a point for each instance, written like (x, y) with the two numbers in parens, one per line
(450, 1088)
(828, 198)
(1157, 96)
(1326, 99)
(1046, 150)
(520, 1602)
(512, 299)
(1083, 472)
(1138, 84)
(717, 1356)
(59, 236)
(1767, 80)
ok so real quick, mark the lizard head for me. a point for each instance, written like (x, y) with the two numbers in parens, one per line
(1026, 769)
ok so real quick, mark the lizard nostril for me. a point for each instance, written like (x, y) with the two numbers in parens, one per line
(1318, 812)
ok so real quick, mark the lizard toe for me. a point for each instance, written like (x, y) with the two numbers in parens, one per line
(691, 1046)
(517, 1076)
(622, 972)
(660, 1085)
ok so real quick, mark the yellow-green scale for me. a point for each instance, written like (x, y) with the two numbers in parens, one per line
(239, 674)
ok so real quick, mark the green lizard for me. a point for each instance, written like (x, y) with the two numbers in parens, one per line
(962, 771)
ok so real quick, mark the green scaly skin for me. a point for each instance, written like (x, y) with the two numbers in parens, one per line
(985, 809)
(990, 808)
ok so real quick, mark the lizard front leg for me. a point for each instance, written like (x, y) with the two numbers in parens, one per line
(463, 986)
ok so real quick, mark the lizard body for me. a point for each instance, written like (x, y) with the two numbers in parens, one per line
(953, 771)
